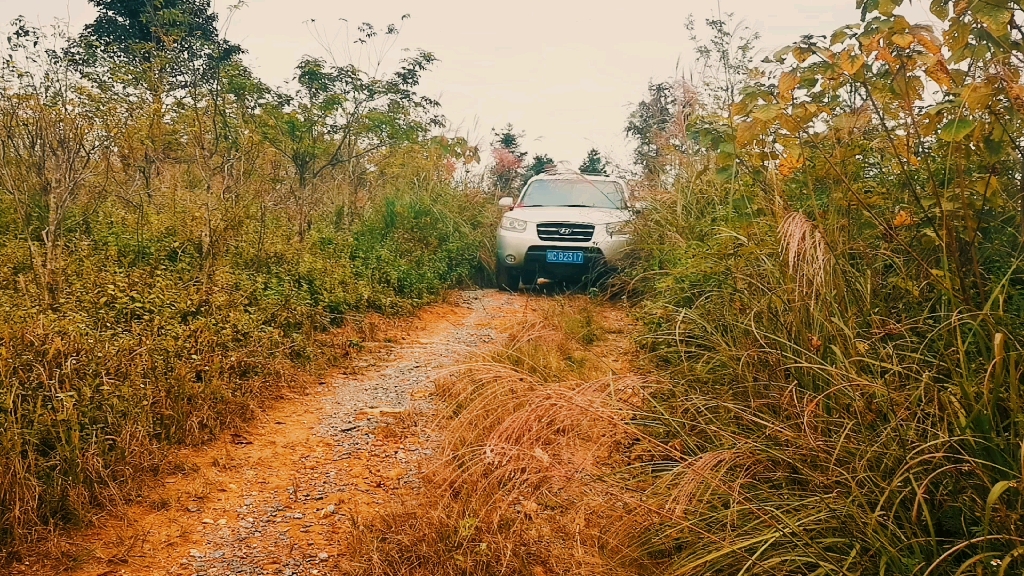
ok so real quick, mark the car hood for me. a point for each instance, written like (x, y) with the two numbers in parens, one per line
(568, 214)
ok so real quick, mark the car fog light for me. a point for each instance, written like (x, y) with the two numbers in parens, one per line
(510, 259)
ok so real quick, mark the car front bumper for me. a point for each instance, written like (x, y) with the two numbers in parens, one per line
(526, 250)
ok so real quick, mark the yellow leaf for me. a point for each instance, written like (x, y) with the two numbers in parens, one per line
(801, 54)
(850, 62)
(928, 125)
(978, 96)
(927, 39)
(902, 40)
(910, 88)
(841, 35)
(903, 219)
(790, 164)
(957, 35)
(767, 113)
(939, 72)
(741, 108)
(985, 186)
(995, 17)
(885, 56)
(807, 109)
(1016, 94)
(790, 124)
(787, 83)
(747, 132)
(903, 150)
(853, 121)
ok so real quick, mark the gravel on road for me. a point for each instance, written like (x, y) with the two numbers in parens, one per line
(280, 498)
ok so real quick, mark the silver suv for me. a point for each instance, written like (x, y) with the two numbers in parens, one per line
(563, 227)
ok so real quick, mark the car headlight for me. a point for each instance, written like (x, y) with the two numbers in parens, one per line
(513, 224)
(620, 228)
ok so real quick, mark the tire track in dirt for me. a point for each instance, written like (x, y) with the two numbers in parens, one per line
(281, 498)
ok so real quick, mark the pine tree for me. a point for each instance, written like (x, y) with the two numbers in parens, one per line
(594, 164)
(541, 164)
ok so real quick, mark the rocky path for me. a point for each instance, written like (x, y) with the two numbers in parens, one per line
(280, 498)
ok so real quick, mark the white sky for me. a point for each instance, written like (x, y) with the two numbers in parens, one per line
(566, 73)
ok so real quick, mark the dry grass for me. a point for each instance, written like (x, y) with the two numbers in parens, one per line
(528, 445)
(818, 423)
(140, 358)
(806, 252)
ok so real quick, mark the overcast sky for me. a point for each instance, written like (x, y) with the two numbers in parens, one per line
(566, 73)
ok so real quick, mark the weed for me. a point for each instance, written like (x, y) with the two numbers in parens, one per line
(518, 489)
(166, 270)
(833, 307)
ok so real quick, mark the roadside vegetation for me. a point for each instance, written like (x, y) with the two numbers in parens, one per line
(826, 287)
(827, 284)
(831, 280)
(532, 427)
(175, 234)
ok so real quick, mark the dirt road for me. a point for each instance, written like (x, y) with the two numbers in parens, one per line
(279, 498)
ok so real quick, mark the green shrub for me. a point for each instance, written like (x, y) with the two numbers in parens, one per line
(453, 229)
(146, 349)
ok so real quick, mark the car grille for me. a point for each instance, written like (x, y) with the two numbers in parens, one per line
(565, 232)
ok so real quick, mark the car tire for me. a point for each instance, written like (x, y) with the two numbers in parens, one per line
(528, 277)
(508, 278)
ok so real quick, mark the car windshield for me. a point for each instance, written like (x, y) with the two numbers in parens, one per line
(582, 193)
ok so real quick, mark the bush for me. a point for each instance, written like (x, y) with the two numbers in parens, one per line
(451, 228)
(142, 353)
(830, 282)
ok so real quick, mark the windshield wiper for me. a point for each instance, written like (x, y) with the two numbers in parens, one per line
(556, 206)
(565, 206)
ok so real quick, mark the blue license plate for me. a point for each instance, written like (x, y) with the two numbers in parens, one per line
(565, 256)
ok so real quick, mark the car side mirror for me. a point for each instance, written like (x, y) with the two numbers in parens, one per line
(506, 202)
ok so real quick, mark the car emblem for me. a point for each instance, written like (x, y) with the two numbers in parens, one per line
(565, 231)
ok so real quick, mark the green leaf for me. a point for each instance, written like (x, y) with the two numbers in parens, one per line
(767, 113)
(995, 17)
(866, 7)
(839, 36)
(726, 173)
(994, 148)
(955, 130)
(887, 7)
(993, 496)
(781, 53)
(940, 9)
(939, 107)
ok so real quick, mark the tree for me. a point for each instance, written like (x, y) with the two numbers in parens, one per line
(159, 44)
(541, 163)
(666, 121)
(154, 62)
(509, 157)
(594, 164)
(340, 115)
(51, 147)
(649, 123)
(510, 140)
(725, 60)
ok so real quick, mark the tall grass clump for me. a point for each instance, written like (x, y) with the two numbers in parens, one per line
(175, 236)
(529, 429)
(829, 281)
